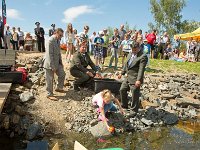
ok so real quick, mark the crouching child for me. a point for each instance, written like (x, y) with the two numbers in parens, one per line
(104, 101)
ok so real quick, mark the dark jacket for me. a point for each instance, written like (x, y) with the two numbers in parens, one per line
(80, 63)
(39, 32)
(135, 72)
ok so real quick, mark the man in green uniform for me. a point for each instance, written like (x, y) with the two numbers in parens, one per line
(78, 68)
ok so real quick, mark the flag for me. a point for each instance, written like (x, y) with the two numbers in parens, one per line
(4, 12)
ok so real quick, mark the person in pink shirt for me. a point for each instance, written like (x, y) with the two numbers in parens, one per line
(104, 101)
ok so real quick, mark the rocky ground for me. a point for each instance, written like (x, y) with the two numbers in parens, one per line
(165, 98)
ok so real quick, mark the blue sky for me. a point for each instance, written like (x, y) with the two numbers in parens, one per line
(98, 14)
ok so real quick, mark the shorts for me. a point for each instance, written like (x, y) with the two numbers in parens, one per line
(125, 54)
(98, 52)
(105, 52)
(152, 47)
(21, 42)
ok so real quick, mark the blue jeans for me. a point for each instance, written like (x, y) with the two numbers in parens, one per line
(110, 107)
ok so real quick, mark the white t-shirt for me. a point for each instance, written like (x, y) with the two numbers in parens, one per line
(98, 100)
(21, 35)
(126, 45)
(92, 37)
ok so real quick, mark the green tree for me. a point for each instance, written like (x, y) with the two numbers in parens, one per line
(167, 15)
(188, 26)
(126, 26)
(110, 31)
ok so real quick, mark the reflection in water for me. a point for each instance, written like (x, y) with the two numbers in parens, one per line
(185, 135)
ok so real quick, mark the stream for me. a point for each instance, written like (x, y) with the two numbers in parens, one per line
(185, 135)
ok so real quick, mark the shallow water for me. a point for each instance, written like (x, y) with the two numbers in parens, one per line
(185, 135)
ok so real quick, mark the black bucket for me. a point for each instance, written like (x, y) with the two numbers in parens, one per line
(111, 84)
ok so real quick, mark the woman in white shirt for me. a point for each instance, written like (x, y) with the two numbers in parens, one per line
(69, 40)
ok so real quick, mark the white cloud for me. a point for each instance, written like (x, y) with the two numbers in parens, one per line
(72, 13)
(13, 14)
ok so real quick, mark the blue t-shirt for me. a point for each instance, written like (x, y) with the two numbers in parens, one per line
(146, 48)
(99, 40)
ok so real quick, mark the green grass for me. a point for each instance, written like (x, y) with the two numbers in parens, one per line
(167, 66)
(175, 67)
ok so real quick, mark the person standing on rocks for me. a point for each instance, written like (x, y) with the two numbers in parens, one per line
(78, 67)
(53, 64)
(134, 69)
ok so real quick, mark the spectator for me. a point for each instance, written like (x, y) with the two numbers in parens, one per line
(98, 45)
(177, 44)
(115, 41)
(39, 32)
(129, 34)
(164, 40)
(7, 37)
(126, 47)
(1, 32)
(151, 38)
(147, 50)
(93, 36)
(122, 32)
(105, 45)
(69, 40)
(84, 35)
(140, 37)
(168, 52)
(75, 40)
(21, 38)
(197, 52)
(15, 39)
(191, 51)
(28, 42)
(52, 30)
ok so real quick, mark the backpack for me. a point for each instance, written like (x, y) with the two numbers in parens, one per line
(24, 74)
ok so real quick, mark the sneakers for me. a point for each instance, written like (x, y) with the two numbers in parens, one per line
(51, 97)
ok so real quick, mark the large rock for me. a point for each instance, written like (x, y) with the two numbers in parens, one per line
(26, 96)
(100, 130)
(163, 87)
(168, 96)
(146, 121)
(185, 101)
(15, 118)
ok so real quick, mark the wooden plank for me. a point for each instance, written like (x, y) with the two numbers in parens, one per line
(4, 91)
(78, 146)
(56, 147)
(9, 58)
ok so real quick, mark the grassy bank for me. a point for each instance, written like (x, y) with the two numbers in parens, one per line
(168, 66)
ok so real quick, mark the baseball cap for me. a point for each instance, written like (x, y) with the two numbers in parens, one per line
(37, 23)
